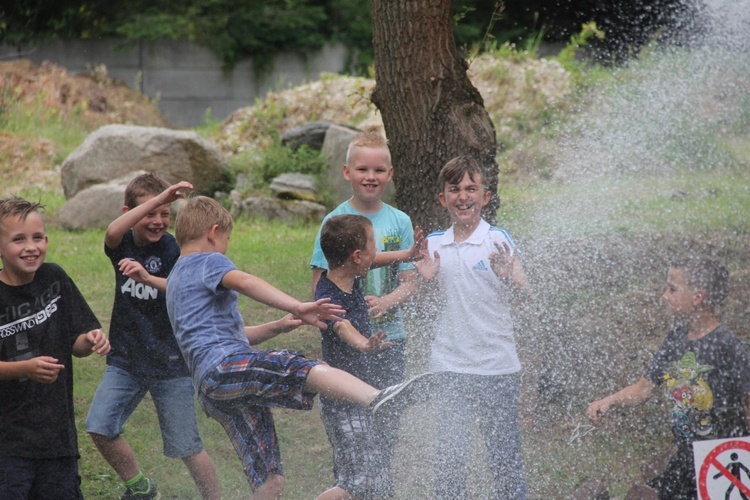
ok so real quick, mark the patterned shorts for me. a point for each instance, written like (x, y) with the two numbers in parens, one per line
(239, 392)
(357, 458)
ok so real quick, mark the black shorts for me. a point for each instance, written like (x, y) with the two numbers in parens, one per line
(39, 478)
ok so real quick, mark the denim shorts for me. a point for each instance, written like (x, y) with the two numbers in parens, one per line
(120, 392)
(39, 478)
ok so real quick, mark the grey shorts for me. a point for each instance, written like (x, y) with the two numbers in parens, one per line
(357, 459)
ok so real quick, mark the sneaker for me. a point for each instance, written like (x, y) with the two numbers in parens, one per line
(395, 398)
(149, 494)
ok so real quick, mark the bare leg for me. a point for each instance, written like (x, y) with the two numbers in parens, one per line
(118, 454)
(339, 385)
(335, 493)
(271, 489)
(203, 471)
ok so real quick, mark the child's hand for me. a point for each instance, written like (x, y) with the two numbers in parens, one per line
(377, 343)
(43, 369)
(376, 306)
(427, 267)
(173, 193)
(502, 261)
(596, 410)
(312, 313)
(417, 250)
(99, 342)
(133, 269)
(287, 323)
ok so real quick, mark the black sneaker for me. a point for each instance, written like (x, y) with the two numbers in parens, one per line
(150, 494)
(395, 398)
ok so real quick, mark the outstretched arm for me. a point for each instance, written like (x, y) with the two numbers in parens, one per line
(403, 292)
(351, 336)
(121, 225)
(632, 395)
(258, 289)
(257, 334)
(398, 256)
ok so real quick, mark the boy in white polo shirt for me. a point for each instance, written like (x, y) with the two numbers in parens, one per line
(476, 270)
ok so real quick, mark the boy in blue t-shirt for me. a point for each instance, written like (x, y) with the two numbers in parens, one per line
(145, 355)
(238, 384)
(348, 243)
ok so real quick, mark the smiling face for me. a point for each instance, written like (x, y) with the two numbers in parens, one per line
(23, 247)
(152, 227)
(369, 172)
(465, 201)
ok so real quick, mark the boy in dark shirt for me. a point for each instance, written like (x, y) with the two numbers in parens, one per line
(702, 367)
(44, 321)
(348, 243)
(145, 355)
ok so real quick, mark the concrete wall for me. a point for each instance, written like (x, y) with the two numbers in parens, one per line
(185, 79)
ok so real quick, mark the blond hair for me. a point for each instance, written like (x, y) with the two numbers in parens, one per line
(367, 140)
(197, 216)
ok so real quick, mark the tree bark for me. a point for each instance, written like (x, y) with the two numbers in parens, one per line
(431, 111)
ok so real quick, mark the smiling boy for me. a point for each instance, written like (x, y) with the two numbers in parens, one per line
(145, 356)
(44, 321)
(476, 272)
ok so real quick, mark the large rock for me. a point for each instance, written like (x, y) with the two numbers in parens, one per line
(295, 186)
(114, 150)
(290, 211)
(97, 205)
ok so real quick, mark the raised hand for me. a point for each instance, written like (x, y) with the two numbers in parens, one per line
(501, 261)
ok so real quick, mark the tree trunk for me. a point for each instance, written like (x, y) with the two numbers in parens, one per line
(431, 111)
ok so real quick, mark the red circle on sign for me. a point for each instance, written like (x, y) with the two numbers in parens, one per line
(708, 462)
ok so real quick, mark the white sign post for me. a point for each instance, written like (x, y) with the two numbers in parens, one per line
(722, 468)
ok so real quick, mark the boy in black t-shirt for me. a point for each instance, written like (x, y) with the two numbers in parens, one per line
(145, 356)
(702, 368)
(44, 321)
(348, 243)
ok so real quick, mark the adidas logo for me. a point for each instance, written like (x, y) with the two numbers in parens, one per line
(480, 266)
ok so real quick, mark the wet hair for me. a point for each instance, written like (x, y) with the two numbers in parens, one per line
(455, 169)
(707, 274)
(197, 216)
(16, 206)
(367, 140)
(341, 235)
(143, 185)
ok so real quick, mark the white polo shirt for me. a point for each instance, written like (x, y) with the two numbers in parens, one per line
(474, 330)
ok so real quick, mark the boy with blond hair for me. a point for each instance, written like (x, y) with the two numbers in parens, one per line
(145, 356)
(237, 384)
(369, 170)
(44, 321)
(476, 272)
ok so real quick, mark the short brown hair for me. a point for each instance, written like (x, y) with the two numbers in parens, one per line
(455, 169)
(143, 185)
(367, 140)
(15, 206)
(341, 235)
(707, 274)
(197, 216)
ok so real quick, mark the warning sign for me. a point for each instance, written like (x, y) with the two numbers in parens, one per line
(722, 468)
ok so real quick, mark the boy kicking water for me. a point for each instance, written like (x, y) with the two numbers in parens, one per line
(236, 383)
